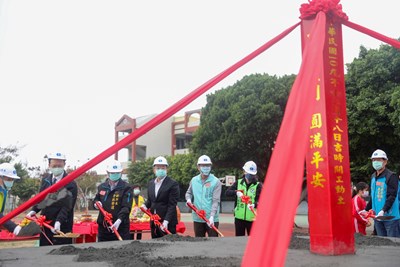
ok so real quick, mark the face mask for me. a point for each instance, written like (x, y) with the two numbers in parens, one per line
(136, 192)
(57, 171)
(377, 165)
(8, 184)
(249, 177)
(114, 176)
(365, 194)
(205, 170)
(161, 172)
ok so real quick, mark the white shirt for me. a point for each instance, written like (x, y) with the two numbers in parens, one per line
(158, 183)
(56, 179)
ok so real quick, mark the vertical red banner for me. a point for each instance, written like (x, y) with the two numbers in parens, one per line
(327, 160)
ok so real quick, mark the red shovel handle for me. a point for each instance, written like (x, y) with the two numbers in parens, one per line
(201, 214)
(108, 219)
(156, 219)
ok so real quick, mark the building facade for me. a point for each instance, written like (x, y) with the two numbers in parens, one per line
(169, 138)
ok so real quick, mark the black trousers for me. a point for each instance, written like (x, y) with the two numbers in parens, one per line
(47, 238)
(105, 235)
(156, 231)
(242, 226)
(200, 229)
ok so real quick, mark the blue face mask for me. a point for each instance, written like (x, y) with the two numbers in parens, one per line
(161, 172)
(8, 184)
(377, 165)
(57, 171)
(205, 170)
(114, 176)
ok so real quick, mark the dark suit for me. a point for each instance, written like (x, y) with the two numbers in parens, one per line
(164, 204)
(61, 210)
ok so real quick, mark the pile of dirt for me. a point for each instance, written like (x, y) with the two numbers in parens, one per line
(143, 254)
(299, 241)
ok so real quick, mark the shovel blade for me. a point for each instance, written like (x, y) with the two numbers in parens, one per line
(384, 218)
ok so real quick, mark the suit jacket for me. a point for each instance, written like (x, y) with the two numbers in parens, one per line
(165, 202)
(60, 210)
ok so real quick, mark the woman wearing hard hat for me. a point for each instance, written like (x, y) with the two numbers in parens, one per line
(247, 189)
(7, 176)
(115, 196)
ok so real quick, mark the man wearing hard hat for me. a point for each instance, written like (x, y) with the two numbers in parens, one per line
(115, 196)
(7, 176)
(384, 196)
(162, 198)
(58, 207)
(248, 186)
(205, 191)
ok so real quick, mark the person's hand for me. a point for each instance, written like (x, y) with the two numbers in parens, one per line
(17, 229)
(369, 223)
(239, 194)
(144, 207)
(31, 214)
(210, 221)
(116, 224)
(363, 213)
(95, 205)
(250, 206)
(381, 213)
(188, 202)
(165, 225)
(57, 227)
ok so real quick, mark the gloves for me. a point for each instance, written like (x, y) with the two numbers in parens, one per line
(381, 213)
(116, 224)
(31, 214)
(250, 206)
(211, 221)
(165, 225)
(57, 226)
(17, 229)
(144, 207)
(95, 206)
(188, 202)
(239, 194)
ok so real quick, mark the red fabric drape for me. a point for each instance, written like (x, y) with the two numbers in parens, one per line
(146, 127)
(376, 35)
(271, 232)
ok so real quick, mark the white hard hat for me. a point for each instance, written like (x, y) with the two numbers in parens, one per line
(8, 170)
(379, 154)
(160, 161)
(250, 167)
(204, 160)
(114, 166)
(56, 155)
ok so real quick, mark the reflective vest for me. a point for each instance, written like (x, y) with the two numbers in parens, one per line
(3, 196)
(242, 212)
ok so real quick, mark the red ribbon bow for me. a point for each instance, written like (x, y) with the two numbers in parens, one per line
(246, 199)
(42, 220)
(331, 8)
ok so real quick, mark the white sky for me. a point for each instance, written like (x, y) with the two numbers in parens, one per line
(70, 69)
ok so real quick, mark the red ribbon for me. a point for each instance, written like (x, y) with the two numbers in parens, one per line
(246, 199)
(41, 221)
(202, 213)
(331, 8)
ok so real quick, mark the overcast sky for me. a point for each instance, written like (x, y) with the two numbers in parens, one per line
(70, 69)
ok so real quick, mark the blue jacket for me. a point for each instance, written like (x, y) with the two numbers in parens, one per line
(384, 194)
(205, 194)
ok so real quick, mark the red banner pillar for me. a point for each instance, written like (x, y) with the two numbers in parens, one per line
(327, 160)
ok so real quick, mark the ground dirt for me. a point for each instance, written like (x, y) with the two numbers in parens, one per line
(145, 254)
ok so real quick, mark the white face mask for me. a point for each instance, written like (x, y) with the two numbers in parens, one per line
(365, 194)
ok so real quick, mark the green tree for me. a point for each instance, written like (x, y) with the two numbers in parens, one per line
(373, 104)
(140, 172)
(241, 122)
(87, 187)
